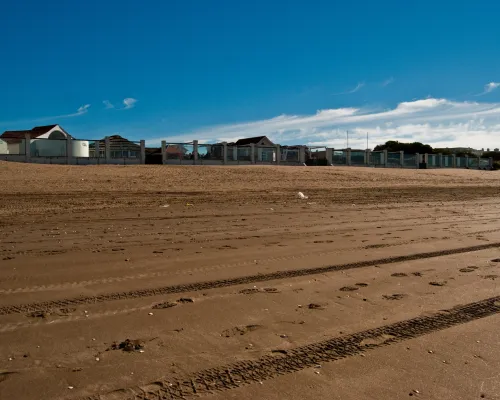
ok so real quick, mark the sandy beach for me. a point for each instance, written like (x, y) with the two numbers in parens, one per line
(155, 282)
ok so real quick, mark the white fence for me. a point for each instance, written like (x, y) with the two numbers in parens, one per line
(72, 151)
(124, 152)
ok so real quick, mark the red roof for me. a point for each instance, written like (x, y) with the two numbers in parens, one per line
(17, 136)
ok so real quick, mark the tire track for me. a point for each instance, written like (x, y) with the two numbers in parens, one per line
(214, 230)
(246, 236)
(198, 286)
(215, 267)
(268, 367)
(113, 279)
(9, 327)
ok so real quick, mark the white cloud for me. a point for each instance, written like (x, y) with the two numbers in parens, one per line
(489, 87)
(387, 82)
(439, 122)
(81, 110)
(107, 104)
(129, 102)
(358, 87)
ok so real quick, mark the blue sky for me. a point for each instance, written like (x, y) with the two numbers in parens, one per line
(297, 71)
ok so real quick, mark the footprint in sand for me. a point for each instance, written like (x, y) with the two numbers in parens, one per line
(468, 269)
(249, 291)
(166, 304)
(442, 283)
(399, 274)
(271, 290)
(4, 375)
(184, 300)
(255, 290)
(348, 289)
(240, 330)
(315, 306)
(396, 296)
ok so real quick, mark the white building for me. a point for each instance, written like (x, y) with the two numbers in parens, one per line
(45, 141)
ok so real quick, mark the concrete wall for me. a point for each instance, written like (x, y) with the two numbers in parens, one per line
(15, 148)
(255, 156)
(4, 147)
(49, 160)
(13, 157)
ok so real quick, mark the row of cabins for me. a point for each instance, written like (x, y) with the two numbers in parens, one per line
(50, 141)
(238, 150)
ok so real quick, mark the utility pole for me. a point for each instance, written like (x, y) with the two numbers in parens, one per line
(367, 141)
(347, 135)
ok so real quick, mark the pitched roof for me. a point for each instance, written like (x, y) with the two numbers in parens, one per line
(115, 138)
(17, 136)
(14, 134)
(117, 142)
(153, 150)
(254, 140)
(40, 130)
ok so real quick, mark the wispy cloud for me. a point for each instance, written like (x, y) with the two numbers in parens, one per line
(81, 110)
(440, 122)
(489, 87)
(129, 103)
(107, 104)
(387, 82)
(358, 87)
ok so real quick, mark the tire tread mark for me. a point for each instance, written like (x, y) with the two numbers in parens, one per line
(123, 278)
(245, 372)
(198, 286)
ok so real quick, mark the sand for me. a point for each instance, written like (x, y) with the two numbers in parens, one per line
(382, 284)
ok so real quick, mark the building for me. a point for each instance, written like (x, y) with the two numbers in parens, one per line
(119, 148)
(45, 141)
(240, 150)
(257, 141)
(15, 139)
(290, 153)
(265, 148)
(172, 152)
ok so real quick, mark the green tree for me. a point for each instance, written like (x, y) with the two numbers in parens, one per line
(409, 148)
(492, 154)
